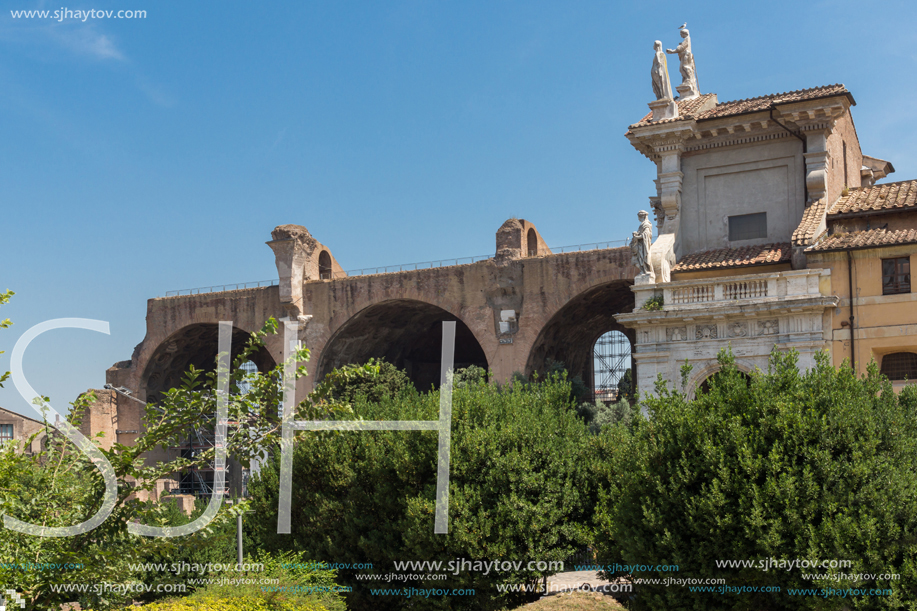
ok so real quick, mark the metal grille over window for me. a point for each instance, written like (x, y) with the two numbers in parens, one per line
(896, 276)
(900, 366)
(612, 366)
(6, 432)
(748, 226)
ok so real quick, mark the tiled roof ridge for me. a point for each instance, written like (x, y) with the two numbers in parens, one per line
(688, 109)
(777, 95)
(889, 196)
(812, 220)
(865, 238)
(738, 256)
(883, 184)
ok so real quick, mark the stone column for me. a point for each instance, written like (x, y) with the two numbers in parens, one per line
(816, 161)
(662, 255)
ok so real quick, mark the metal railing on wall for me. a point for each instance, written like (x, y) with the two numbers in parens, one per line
(404, 267)
(222, 287)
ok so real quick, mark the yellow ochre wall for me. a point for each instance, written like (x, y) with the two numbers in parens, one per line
(884, 323)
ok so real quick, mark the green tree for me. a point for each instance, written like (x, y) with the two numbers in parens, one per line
(374, 379)
(520, 489)
(788, 465)
(62, 487)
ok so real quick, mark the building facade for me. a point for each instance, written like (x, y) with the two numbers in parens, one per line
(771, 233)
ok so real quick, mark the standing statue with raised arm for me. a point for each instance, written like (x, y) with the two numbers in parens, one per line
(688, 88)
(662, 87)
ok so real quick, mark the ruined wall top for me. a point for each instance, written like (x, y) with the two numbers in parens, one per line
(518, 238)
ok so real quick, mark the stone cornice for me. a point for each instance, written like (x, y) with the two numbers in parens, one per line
(785, 305)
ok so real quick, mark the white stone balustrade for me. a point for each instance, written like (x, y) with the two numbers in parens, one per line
(756, 288)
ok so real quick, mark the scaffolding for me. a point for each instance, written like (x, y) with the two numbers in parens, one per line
(611, 361)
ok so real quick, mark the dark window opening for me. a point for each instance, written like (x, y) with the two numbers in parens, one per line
(896, 276)
(900, 366)
(324, 265)
(748, 226)
(704, 388)
(532, 243)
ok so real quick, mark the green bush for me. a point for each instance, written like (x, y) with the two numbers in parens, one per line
(469, 376)
(229, 603)
(598, 414)
(298, 584)
(520, 489)
(374, 380)
(788, 465)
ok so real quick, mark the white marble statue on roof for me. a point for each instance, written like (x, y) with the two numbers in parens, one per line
(662, 87)
(688, 88)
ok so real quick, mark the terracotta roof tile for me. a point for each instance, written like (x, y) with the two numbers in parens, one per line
(811, 225)
(866, 239)
(888, 197)
(738, 107)
(688, 109)
(735, 257)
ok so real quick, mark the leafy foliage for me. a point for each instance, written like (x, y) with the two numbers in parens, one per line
(373, 380)
(5, 324)
(60, 487)
(789, 465)
(654, 303)
(469, 376)
(598, 414)
(520, 489)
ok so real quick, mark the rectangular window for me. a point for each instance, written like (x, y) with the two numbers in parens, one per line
(748, 226)
(896, 276)
(6, 432)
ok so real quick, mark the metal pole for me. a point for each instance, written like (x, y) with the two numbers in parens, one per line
(239, 538)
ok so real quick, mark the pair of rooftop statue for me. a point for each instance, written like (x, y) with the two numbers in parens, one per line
(660, 73)
(663, 108)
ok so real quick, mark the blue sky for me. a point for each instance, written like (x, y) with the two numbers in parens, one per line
(139, 156)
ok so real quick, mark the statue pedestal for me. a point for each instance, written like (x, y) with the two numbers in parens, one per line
(649, 278)
(685, 92)
(664, 109)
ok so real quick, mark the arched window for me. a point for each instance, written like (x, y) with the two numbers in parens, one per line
(612, 367)
(324, 265)
(250, 369)
(900, 366)
(532, 243)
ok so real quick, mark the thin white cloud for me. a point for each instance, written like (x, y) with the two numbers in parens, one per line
(87, 41)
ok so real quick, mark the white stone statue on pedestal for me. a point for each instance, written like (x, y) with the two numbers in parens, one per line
(640, 245)
(662, 87)
(664, 106)
(688, 88)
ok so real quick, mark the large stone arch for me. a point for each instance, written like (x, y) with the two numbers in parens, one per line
(194, 344)
(570, 334)
(405, 332)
